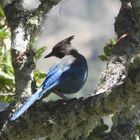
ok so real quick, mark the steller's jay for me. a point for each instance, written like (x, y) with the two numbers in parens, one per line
(66, 77)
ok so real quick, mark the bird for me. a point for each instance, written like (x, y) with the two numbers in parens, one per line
(66, 77)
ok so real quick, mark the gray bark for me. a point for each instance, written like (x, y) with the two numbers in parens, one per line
(76, 119)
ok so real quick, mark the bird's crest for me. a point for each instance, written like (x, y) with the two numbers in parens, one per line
(69, 38)
(66, 40)
(61, 48)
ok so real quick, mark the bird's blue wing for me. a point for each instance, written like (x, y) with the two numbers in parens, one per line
(52, 70)
(53, 79)
(27, 104)
(56, 77)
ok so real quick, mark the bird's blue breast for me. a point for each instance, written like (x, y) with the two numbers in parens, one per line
(74, 84)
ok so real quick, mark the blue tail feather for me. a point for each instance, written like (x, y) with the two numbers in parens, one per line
(27, 104)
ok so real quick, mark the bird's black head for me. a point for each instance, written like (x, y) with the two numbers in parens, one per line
(62, 48)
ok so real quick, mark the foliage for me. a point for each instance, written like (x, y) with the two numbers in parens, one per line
(39, 51)
(1, 12)
(107, 50)
(38, 75)
(6, 70)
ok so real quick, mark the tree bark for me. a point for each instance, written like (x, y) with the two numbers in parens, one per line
(77, 119)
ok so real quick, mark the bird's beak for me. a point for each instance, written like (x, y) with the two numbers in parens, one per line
(49, 55)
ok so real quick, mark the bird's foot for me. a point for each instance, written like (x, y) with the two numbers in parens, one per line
(61, 95)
